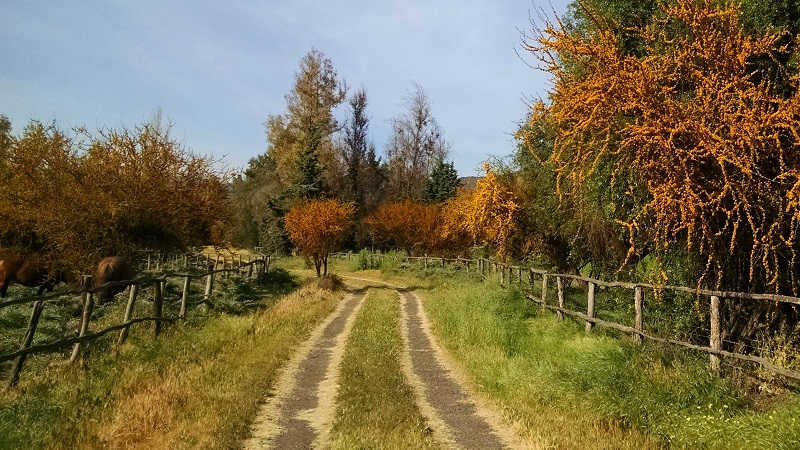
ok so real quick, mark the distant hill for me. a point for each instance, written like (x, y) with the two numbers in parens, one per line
(468, 182)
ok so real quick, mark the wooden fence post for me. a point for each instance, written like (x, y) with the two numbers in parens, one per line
(639, 319)
(544, 291)
(158, 306)
(123, 333)
(250, 268)
(443, 262)
(590, 307)
(184, 297)
(33, 322)
(560, 285)
(88, 306)
(148, 260)
(209, 287)
(269, 260)
(716, 341)
(502, 274)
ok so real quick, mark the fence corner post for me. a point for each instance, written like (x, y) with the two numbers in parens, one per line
(209, 286)
(158, 306)
(88, 306)
(560, 286)
(590, 307)
(716, 341)
(544, 291)
(123, 333)
(638, 295)
(27, 339)
(185, 296)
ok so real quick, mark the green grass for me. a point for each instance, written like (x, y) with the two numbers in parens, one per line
(375, 405)
(198, 385)
(566, 389)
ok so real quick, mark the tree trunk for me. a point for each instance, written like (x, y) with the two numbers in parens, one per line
(325, 264)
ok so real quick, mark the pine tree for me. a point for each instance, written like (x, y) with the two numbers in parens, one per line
(443, 182)
(310, 183)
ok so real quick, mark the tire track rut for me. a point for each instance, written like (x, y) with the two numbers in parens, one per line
(298, 415)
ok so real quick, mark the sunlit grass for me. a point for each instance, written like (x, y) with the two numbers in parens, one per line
(198, 385)
(566, 389)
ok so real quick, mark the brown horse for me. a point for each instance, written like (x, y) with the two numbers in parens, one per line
(110, 269)
(30, 271)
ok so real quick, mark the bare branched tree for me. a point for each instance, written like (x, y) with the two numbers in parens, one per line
(416, 145)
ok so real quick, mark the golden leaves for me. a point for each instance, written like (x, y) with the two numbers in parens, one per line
(317, 227)
(712, 143)
(120, 191)
(488, 215)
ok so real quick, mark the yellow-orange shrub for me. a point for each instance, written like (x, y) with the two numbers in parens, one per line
(317, 227)
(711, 141)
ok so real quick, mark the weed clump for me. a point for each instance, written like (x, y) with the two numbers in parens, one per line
(330, 283)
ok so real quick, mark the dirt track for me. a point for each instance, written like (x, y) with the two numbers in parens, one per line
(441, 396)
(300, 413)
(297, 416)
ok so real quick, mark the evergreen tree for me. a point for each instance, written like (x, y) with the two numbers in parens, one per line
(310, 183)
(443, 182)
(355, 150)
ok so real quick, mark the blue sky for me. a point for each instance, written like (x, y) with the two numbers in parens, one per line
(217, 69)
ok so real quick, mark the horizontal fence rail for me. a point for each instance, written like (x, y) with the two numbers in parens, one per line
(506, 272)
(249, 268)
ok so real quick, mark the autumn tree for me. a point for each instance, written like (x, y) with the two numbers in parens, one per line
(406, 224)
(116, 191)
(488, 214)
(416, 145)
(317, 227)
(301, 161)
(690, 127)
(300, 140)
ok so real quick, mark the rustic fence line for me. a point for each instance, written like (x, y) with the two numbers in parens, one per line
(251, 268)
(506, 273)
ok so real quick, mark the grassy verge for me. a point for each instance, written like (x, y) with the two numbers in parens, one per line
(565, 389)
(376, 407)
(198, 385)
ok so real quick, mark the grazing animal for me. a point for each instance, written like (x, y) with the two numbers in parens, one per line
(31, 271)
(112, 268)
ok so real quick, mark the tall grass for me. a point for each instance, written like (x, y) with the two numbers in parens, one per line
(571, 390)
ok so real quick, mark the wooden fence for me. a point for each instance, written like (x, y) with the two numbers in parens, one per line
(526, 276)
(249, 267)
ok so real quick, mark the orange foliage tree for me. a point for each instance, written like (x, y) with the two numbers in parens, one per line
(490, 213)
(111, 193)
(487, 214)
(691, 120)
(317, 227)
(408, 225)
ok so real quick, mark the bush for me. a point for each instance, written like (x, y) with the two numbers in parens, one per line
(330, 283)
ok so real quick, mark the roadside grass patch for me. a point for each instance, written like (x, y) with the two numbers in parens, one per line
(567, 389)
(375, 405)
(198, 385)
